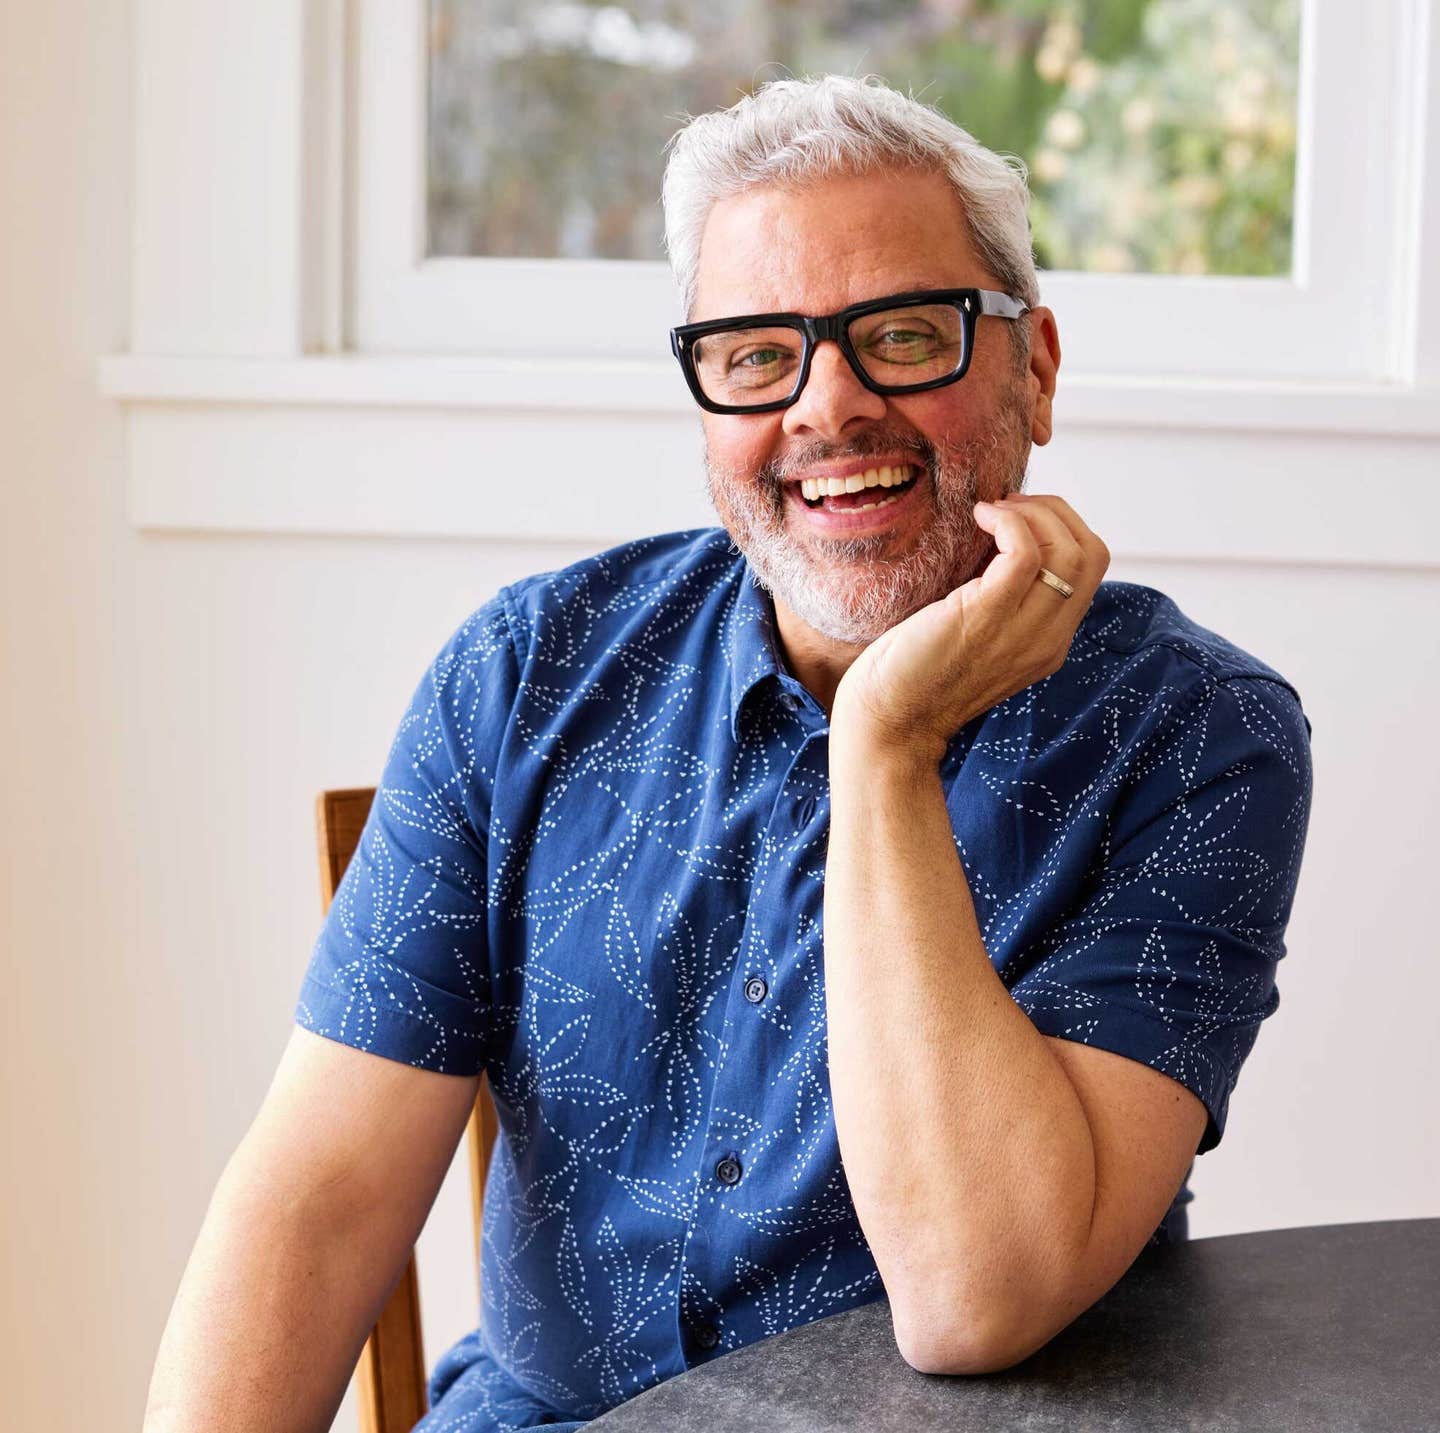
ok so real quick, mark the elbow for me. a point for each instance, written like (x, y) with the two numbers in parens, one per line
(957, 1360)
(966, 1359)
(979, 1346)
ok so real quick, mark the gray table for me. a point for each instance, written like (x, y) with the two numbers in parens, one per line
(1336, 1327)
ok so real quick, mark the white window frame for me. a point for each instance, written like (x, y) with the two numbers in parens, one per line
(270, 384)
(1340, 317)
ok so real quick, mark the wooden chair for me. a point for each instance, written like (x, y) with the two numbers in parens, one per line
(392, 1366)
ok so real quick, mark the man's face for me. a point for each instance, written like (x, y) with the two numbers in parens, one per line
(847, 574)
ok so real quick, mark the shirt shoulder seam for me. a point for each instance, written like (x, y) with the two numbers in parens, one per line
(1211, 677)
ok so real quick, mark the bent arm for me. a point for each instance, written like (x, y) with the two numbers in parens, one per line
(1004, 1179)
(306, 1236)
(967, 1150)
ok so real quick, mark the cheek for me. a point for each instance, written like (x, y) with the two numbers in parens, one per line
(739, 444)
(951, 418)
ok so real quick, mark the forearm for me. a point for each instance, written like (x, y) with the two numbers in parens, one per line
(270, 1317)
(965, 1146)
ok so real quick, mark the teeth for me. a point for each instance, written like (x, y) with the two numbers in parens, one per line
(865, 507)
(814, 488)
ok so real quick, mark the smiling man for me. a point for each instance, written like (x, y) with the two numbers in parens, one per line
(861, 900)
(892, 254)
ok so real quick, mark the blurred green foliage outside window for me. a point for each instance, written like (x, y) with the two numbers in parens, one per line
(1159, 134)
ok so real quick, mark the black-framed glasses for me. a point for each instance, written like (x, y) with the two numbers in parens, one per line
(903, 343)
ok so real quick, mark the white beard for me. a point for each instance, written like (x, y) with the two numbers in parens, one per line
(846, 588)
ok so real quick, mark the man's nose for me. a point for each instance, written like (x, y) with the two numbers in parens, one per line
(832, 396)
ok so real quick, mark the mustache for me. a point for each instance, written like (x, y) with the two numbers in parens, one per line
(871, 443)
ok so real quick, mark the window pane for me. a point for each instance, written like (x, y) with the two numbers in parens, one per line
(1160, 134)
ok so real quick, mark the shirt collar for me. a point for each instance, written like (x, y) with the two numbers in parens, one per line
(751, 651)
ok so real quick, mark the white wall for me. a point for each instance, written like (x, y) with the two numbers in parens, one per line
(171, 704)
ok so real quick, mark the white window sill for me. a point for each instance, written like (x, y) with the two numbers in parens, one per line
(637, 386)
(599, 452)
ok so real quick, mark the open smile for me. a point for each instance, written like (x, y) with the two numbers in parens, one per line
(873, 498)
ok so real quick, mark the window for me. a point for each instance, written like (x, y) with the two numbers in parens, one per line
(1159, 134)
(304, 358)
(1132, 180)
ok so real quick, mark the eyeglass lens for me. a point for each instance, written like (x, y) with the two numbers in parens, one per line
(897, 348)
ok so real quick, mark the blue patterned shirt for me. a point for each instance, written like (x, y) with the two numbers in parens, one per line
(594, 870)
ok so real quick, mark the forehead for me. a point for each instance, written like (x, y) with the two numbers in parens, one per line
(834, 242)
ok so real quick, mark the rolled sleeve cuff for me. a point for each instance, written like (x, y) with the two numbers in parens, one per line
(437, 1032)
(1198, 1058)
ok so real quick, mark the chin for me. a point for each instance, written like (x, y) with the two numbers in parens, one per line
(858, 601)
(860, 594)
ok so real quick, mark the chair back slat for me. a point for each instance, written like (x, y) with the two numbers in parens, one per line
(390, 1375)
(339, 820)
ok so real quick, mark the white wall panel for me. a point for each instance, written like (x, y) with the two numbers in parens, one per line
(218, 163)
(1150, 492)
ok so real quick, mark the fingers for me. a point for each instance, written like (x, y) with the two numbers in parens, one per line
(1054, 543)
(1053, 533)
(1062, 542)
(1088, 541)
(1008, 576)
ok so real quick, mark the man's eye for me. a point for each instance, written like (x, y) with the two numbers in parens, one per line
(759, 358)
(903, 338)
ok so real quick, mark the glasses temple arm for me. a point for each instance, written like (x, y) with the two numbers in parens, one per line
(1001, 305)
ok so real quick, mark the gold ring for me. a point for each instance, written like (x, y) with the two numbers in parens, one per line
(1058, 583)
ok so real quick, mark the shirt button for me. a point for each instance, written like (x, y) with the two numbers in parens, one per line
(755, 989)
(707, 1335)
(728, 1171)
(790, 702)
(806, 813)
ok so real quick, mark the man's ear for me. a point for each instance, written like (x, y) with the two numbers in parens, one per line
(1044, 364)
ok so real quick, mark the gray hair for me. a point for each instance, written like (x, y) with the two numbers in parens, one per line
(791, 132)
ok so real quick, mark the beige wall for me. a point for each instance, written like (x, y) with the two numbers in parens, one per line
(171, 704)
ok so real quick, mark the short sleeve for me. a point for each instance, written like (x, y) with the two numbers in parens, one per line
(400, 967)
(1170, 956)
